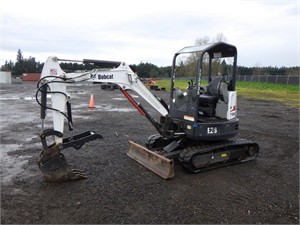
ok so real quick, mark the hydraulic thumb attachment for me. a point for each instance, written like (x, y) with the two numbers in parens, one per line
(52, 162)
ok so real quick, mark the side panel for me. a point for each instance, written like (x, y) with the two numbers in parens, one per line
(232, 105)
(212, 131)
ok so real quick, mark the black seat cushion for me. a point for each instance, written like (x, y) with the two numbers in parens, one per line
(207, 99)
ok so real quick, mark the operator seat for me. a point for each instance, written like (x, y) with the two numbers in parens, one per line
(208, 101)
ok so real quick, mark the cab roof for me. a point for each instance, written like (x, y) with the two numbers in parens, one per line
(215, 50)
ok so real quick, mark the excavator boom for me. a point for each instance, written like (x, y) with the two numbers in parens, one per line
(54, 81)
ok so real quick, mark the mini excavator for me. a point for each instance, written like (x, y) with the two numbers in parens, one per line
(197, 128)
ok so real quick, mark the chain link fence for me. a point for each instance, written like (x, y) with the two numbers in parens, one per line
(276, 79)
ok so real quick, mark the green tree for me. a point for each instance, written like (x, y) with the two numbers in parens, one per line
(24, 65)
(19, 66)
(20, 56)
(154, 72)
(144, 69)
(8, 66)
(30, 65)
(165, 71)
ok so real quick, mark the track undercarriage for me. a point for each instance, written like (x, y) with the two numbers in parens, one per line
(194, 156)
(158, 155)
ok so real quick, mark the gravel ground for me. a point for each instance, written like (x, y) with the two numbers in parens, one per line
(119, 190)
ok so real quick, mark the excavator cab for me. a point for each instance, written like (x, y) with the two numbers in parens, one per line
(206, 112)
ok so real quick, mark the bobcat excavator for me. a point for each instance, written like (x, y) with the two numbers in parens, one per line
(197, 128)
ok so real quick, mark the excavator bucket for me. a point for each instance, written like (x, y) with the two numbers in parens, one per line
(53, 163)
(57, 169)
(158, 164)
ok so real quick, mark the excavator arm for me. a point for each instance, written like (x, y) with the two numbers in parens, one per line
(54, 82)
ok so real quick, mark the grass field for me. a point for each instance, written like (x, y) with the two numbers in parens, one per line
(286, 94)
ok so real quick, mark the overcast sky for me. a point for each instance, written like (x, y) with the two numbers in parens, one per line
(266, 33)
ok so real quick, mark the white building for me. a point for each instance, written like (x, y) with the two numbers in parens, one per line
(5, 77)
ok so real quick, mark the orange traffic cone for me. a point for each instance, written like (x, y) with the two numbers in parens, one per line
(92, 103)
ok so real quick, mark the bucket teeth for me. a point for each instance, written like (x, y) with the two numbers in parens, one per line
(158, 164)
(57, 170)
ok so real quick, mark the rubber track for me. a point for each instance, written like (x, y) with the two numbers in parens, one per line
(186, 156)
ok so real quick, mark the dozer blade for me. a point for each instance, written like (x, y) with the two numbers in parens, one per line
(57, 169)
(159, 164)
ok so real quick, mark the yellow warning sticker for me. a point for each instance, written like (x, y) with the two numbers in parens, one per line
(190, 118)
(224, 155)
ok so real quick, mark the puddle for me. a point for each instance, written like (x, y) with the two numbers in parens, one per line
(76, 92)
(10, 98)
(31, 139)
(119, 99)
(11, 166)
(121, 110)
(26, 98)
(104, 108)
